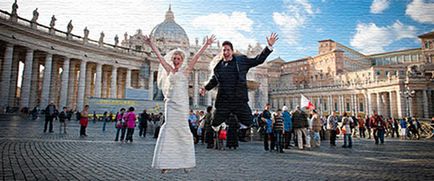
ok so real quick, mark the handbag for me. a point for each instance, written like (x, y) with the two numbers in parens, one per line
(338, 131)
(222, 135)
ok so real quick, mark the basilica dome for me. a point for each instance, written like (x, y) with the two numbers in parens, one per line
(169, 34)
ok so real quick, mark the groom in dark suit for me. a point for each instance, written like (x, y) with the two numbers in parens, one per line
(230, 78)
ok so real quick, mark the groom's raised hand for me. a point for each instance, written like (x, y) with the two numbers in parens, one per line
(272, 39)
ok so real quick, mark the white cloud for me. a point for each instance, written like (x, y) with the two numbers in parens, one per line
(227, 27)
(293, 19)
(371, 38)
(378, 6)
(420, 11)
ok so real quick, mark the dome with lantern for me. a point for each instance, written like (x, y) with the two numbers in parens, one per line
(169, 34)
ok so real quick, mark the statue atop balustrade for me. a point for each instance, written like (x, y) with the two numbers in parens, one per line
(34, 19)
(69, 30)
(52, 24)
(116, 40)
(101, 39)
(85, 35)
(14, 14)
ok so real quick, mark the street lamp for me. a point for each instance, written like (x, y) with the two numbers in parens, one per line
(408, 93)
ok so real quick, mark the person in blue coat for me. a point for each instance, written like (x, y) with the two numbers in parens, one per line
(287, 123)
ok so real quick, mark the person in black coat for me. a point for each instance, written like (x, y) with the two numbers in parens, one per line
(50, 113)
(230, 77)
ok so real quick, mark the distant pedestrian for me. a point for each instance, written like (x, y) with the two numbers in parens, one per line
(130, 118)
(287, 121)
(143, 123)
(120, 125)
(361, 127)
(300, 125)
(105, 119)
(267, 128)
(403, 125)
(332, 124)
(316, 128)
(232, 131)
(63, 116)
(278, 129)
(379, 126)
(84, 120)
(50, 114)
(209, 132)
(347, 121)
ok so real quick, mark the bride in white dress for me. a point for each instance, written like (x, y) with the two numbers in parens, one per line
(174, 148)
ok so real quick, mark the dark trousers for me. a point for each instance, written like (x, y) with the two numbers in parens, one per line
(287, 137)
(83, 131)
(157, 131)
(332, 137)
(48, 119)
(241, 110)
(362, 132)
(322, 134)
(395, 131)
(379, 135)
(130, 132)
(122, 131)
(278, 135)
(269, 137)
(142, 131)
(242, 134)
(193, 130)
(369, 132)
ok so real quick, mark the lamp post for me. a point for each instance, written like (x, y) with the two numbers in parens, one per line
(408, 93)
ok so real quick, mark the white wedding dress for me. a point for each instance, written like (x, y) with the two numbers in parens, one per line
(175, 148)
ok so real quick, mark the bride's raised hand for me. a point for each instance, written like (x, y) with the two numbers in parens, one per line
(210, 40)
(147, 40)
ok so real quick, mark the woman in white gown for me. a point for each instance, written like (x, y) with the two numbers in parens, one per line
(174, 148)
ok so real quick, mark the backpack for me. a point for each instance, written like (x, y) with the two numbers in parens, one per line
(78, 115)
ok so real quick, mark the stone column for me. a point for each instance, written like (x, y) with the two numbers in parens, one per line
(81, 85)
(6, 74)
(25, 86)
(352, 104)
(98, 79)
(410, 105)
(35, 85)
(400, 105)
(46, 84)
(14, 80)
(332, 106)
(105, 81)
(72, 84)
(54, 87)
(128, 79)
(425, 104)
(368, 103)
(88, 88)
(64, 86)
(113, 86)
(379, 106)
(151, 85)
(392, 105)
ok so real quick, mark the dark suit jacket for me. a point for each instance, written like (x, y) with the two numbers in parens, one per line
(243, 65)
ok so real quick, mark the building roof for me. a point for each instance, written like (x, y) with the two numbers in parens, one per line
(427, 35)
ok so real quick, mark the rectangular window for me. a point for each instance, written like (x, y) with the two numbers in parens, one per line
(336, 106)
(361, 108)
(348, 107)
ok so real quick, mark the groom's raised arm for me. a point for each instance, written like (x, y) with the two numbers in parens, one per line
(264, 54)
(259, 59)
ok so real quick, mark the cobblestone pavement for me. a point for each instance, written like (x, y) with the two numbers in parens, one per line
(29, 154)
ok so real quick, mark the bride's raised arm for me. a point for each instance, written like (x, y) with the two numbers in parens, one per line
(209, 41)
(160, 58)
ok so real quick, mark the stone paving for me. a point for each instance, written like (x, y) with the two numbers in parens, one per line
(29, 154)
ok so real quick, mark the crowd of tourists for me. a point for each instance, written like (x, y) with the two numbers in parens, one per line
(279, 129)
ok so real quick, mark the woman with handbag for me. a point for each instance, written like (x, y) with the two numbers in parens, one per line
(84, 120)
(119, 125)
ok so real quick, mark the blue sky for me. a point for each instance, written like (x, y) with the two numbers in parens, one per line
(368, 26)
